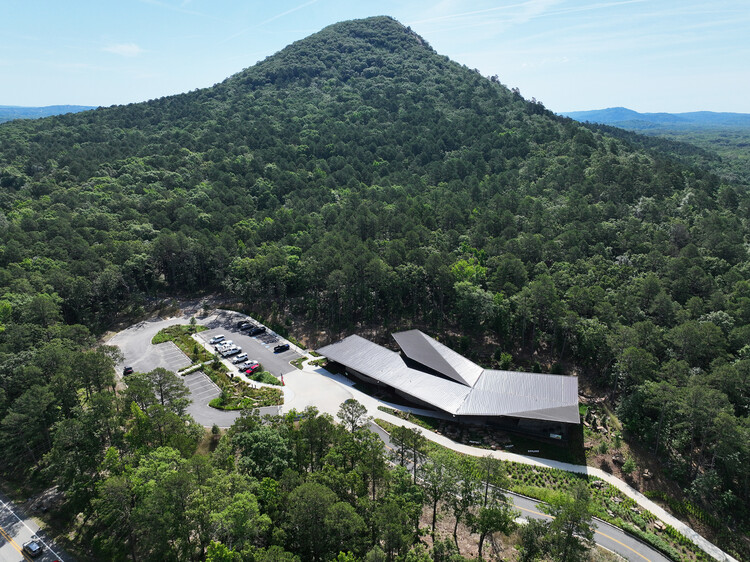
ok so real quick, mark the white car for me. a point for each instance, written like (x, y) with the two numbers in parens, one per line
(232, 351)
(224, 344)
(241, 358)
(216, 339)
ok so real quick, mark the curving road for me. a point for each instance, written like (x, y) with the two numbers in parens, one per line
(16, 528)
(314, 386)
(605, 535)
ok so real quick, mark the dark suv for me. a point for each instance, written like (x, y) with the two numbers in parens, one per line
(281, 347)
(127, 371)
(257, 330)
(33, 548)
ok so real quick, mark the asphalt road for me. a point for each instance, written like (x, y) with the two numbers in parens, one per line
(606, 535)
(15, 529)
(135, 342)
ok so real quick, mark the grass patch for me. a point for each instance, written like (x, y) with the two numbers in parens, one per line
(657, 542)
(249, 398)
(209, 442)
(426, 422)
(297, 363)
(264, 377)
(543, 494)
(295, 342)
(388, 426)
(181, 336)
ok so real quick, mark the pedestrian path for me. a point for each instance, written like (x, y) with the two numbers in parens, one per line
(372, 409)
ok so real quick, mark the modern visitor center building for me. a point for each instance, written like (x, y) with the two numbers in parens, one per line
(433, 376)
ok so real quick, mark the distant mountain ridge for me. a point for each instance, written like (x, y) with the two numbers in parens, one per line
(629, 119)
(10, 112)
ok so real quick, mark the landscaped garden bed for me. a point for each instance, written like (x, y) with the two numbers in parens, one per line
(181, 335)
(248, 398)
(544, 483)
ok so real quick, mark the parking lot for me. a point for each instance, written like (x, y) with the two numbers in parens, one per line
(258, 348)
(166, 355)
(202, 391)
(139, 353)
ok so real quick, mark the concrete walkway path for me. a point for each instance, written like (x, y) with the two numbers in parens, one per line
(315, 386)
(330, 390)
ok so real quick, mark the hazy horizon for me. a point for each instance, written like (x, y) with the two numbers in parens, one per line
(572, 55)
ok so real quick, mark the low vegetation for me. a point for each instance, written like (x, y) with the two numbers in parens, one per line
(247, 397)
(264, 377)
(181, 335)
(608, 503)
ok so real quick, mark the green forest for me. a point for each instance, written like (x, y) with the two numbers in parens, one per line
(357, 179)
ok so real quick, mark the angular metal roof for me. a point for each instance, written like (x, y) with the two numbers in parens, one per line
(523, 395)
(425, 350)
(388, 367)
(493, 393)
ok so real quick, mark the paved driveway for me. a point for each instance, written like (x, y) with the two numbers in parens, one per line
(166, 355)
(135, 344)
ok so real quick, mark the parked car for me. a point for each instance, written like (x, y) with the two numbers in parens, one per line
(247, 326)
(224, 344)
(216, 339)
(241, 358)
(257, 330)
(33, 548)
(242, 323)
(252, 369)
(247, 364)
(232, 351)
(281, 347)
(127, 371)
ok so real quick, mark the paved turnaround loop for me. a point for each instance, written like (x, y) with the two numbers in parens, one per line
(314, 386)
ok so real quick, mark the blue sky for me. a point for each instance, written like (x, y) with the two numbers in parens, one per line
(648, 55)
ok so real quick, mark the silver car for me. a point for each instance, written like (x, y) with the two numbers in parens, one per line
(241, 358)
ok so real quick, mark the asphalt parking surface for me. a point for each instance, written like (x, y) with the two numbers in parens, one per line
(166, 355)
(258, 348)
(202, 391)
(139, 353)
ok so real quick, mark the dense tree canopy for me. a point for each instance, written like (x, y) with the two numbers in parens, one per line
(357, 177)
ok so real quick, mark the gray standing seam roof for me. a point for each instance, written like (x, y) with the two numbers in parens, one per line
(492, 393)
(425, 350)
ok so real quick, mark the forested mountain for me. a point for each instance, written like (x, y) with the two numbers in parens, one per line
(9, 112)
(719, 142)
(357, 178)
(629, 119)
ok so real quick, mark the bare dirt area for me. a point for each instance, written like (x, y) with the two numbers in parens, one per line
(496, 547)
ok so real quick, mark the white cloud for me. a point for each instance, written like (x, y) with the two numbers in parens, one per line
(124, 49)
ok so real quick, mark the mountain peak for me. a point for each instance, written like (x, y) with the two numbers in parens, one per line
(329, 52)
